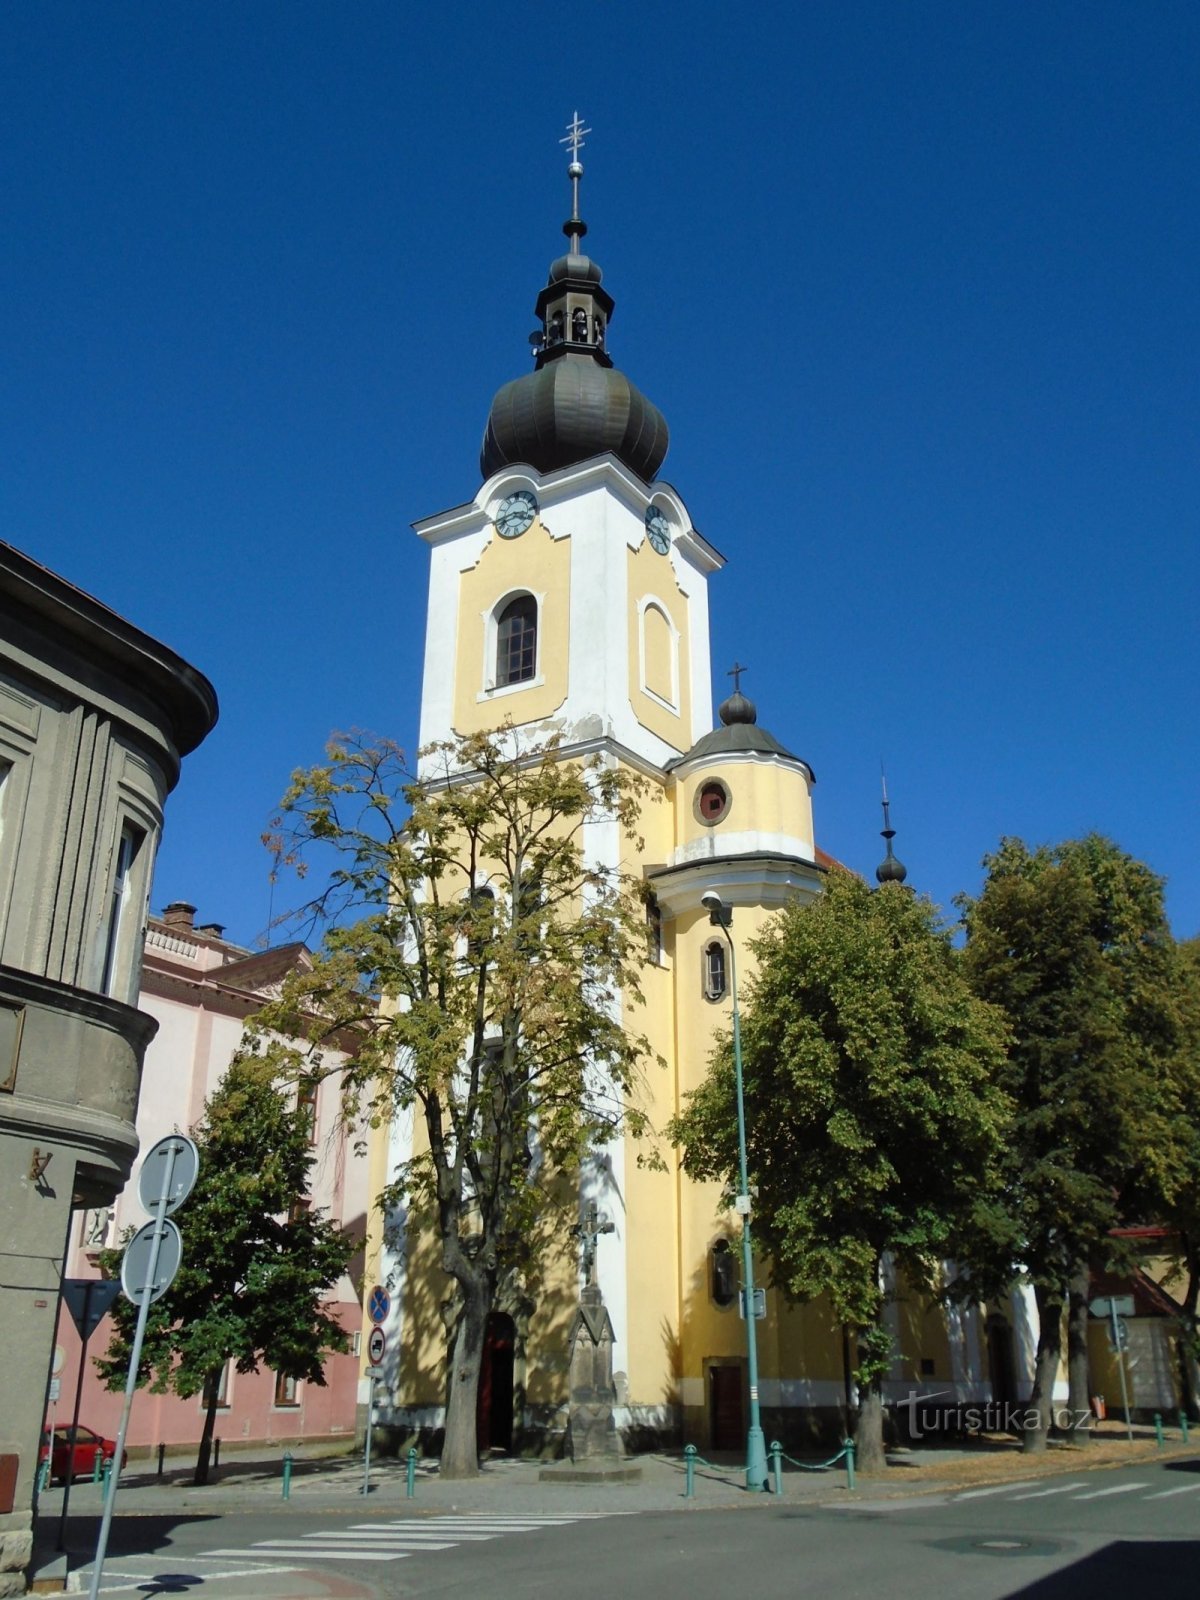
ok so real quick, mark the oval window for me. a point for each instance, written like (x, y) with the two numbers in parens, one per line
(712, 802)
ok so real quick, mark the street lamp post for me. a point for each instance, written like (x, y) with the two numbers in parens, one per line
(721, 916)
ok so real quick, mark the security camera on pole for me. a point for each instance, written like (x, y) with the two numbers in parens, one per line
(721, 916)
(148, 1269)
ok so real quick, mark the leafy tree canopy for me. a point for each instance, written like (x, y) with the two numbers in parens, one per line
(257, 1262)
(872, 1119)
(487, 963)
(1072, 942)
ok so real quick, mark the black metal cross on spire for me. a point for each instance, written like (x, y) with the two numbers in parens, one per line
(735, 672)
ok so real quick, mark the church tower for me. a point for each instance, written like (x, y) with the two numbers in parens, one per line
(569, 596)
(572, 592)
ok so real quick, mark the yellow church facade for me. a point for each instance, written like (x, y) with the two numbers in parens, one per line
(570, 597)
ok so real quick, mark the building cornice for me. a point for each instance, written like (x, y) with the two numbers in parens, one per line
(764, 879)
(31, 594)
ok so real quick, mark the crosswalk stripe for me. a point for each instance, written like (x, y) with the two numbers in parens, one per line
(300, 1552)
(1060, 1488)
(416, 1533)
(419, 1539)
(399, 1537)
(1165, 1494)
(996, 1488)
(1117, 1488)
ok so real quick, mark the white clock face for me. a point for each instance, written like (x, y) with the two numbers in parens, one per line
(515, 514)
(658, 530)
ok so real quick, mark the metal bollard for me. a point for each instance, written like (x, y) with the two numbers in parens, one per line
(1158, 1433)
(216, 1452)
(106, 1475)
(97, 1467)
(162, 1456)
(689, 1466)
(287, 1474)
(848, 1447)
(1183, 1425)
(410, 1475)
(43, 1475)
(777, 1465)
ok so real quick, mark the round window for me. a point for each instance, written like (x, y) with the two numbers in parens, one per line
(712, 802)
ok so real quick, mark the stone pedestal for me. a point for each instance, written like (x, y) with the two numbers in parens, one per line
(593, 1443)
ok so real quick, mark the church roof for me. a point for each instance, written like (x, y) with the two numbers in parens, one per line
(575, 404)
(739, 734)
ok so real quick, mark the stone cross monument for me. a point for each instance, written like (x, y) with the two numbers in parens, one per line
(593, 1443)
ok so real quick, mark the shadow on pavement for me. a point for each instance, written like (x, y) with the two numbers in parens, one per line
(1167, 1568)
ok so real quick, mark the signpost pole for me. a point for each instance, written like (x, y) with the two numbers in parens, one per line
(1119, 1348)
(85, 1334)
(135, 1357)
(366, 1488)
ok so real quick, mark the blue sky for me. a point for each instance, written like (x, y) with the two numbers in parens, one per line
(915, 287)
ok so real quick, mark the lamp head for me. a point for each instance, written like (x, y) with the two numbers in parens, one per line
(719, 914)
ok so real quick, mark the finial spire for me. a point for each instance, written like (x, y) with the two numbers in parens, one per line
(737, 708)
(574, 143)
(889, 870)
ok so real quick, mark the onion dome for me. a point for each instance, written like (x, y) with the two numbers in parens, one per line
(574, 404)
(739, 733)
(889, 870)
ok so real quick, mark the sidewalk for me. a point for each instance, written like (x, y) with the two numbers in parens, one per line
(321, 1482)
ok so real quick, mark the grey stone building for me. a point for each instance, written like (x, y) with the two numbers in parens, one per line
(95, 717)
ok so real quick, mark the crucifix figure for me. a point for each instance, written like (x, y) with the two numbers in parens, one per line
(587, 1232)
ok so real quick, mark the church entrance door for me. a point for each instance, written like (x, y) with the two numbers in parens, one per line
(1000, 1360)
(727, 1429)
(494, 1403)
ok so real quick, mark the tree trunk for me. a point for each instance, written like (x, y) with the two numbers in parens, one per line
(212, 1395)
(1079, 1401)
(1049, 1356)
(868, 1434)
(460, 1454)
(1187, 1342)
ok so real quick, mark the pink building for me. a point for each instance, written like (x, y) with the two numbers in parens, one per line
(200, 988)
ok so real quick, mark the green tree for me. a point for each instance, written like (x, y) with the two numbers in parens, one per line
(1175, 1200)
(872, 1121)
(1071, 941)
(484, 961)
(257, 1262)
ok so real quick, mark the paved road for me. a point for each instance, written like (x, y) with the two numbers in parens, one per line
(1076, 1536)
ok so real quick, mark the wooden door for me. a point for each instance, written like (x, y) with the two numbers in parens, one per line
(727, 1428)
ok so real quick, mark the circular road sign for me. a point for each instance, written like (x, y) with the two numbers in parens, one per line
(379, 1304)
(376, 1345)
(174, 1161)
(135, 1263)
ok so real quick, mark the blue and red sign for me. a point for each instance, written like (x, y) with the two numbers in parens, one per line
(379, 1303)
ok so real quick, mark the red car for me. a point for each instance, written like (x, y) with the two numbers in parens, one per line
(90, 1447)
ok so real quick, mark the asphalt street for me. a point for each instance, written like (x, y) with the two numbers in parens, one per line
(1075, 1534)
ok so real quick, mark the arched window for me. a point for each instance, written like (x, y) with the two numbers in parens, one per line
(724, 1273)
(516, 641)
(654, 930)
(714, 970)
(480, 922)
